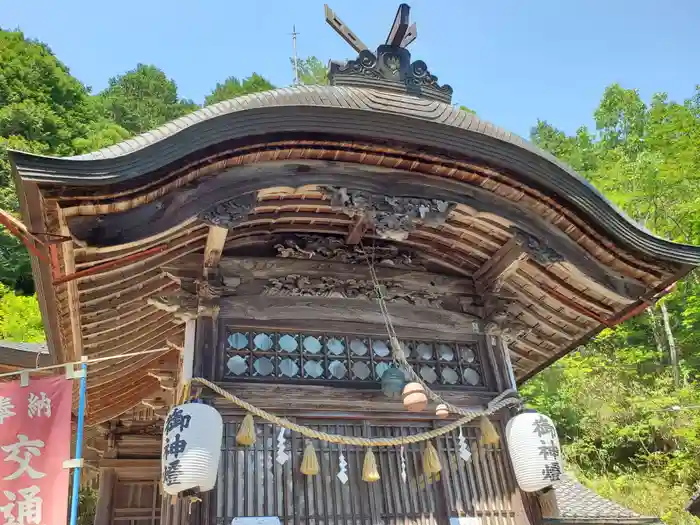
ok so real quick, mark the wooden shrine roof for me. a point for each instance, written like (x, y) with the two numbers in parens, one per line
(302, 161)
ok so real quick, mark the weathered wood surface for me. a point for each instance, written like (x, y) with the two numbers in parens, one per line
(313, 400)
(103, 512)
(134, 469)
(311, 326)
(264, 268)
(137, 502)
(254, 484)
(492, 274)
(181, 204)
(322, 310)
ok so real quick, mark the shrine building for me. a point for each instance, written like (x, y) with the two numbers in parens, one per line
(247, 244)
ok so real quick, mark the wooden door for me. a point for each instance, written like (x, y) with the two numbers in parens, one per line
(252, 483)
(136, 503)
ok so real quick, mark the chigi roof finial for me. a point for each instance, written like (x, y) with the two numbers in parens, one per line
(390, 67)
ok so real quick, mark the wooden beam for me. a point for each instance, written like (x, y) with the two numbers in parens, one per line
(355, 327)
(357, 231)
(133, 469)
(103, 513)
(410, 37)
(285, 398)
(502, 264)
(263, 268)
(399, 27)
(214, 247)
(330, 310)
(343, 30)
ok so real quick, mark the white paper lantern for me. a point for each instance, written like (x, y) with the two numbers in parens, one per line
(534, 450)
(192, 437)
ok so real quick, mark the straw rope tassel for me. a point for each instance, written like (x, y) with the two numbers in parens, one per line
(370, 474)
(246, 434)
(489, 436)
(309, 464)
(431, 460)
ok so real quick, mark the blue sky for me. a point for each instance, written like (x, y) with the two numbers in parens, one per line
(513, 61)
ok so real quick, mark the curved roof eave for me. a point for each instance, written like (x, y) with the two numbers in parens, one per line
(356, 112)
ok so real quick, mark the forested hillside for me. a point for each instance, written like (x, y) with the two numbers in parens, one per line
(627, 405)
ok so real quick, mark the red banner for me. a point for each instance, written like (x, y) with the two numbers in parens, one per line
(35, 433)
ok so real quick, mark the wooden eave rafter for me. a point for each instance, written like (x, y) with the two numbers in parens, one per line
(608, 268)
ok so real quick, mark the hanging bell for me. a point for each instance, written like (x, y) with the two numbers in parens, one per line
(442, 412)
(414, 398)
(393, 381)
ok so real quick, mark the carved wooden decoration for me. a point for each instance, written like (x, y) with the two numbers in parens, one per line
(537, 250)
(393, 292)
(321, 247)
(230, 213)
(392, 217)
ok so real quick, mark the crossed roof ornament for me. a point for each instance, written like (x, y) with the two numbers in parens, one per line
(401, 34)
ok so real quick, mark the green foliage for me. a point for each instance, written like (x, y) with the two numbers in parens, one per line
(612, 400)
(628, 426)
(142, 99)
(45, 110)
(311, 71)
(87, 506)
(20, 319)
(233, 87)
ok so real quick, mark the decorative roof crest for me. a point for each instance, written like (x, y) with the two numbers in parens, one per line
(390, 67)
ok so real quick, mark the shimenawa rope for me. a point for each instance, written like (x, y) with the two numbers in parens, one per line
(493, 406)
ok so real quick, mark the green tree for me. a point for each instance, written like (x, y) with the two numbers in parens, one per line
(624, 403)
(20, 319)
(42, 107)
(43, 110)
(311, 71)
(142, 99)
(234, 87)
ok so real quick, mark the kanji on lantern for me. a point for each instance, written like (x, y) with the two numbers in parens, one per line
(175, 447)
(22, 452)
(552, 471)
(171, 471)
(543, 427)
(177, 419)
(549, 450)
(192, 437)
(534, 450)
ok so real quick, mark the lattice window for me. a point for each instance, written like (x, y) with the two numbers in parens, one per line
(338, 358)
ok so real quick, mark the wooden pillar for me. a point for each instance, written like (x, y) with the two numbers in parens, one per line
(209, 300)
(105, 498)
(548, 503)
(205, 363)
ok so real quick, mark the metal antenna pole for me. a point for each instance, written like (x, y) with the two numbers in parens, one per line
(296, 63)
